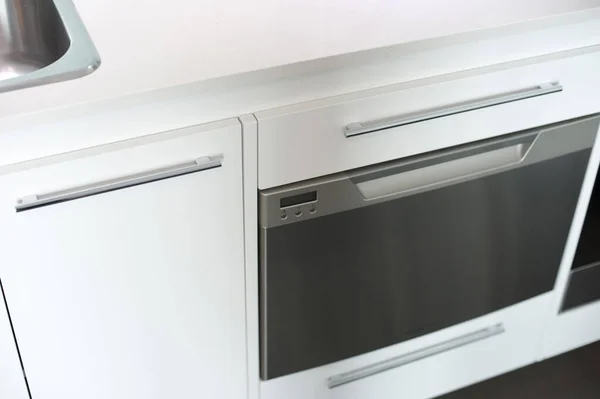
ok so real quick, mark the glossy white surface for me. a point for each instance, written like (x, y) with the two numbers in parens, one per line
(250, 152)
(307, 140)
(134, 293)
(429, 377)
(151, 44)
(571, 330)
(56, 131)
(12, 383)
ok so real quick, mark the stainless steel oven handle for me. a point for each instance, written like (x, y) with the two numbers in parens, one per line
(367, 371)
(447, 168)
(358, 128)
(197, 165)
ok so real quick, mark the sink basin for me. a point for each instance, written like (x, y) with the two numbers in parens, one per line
(41, 42)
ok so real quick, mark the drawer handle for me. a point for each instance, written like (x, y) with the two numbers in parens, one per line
(345, 378)
(358, 128)
(199, 164)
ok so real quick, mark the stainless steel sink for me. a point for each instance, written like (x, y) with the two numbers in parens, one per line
(41, 42)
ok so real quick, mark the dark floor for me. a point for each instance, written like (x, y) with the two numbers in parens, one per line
(573, 375)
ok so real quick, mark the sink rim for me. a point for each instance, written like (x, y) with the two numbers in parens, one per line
(80, 59)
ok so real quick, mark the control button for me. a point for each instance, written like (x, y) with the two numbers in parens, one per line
(312, 209)
(298, 212)
(283, 215)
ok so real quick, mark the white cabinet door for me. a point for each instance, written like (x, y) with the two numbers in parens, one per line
(125, 281)
(12, 383)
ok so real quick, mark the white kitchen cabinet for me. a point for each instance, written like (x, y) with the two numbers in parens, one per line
(378, 125)
(12, 383)
(124, 281)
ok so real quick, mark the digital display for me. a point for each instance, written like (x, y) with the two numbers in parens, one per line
(298, 199)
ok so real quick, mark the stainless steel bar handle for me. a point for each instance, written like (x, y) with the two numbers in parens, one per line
(358, 128)
(436, 172)
(398, 361)
(197, 165)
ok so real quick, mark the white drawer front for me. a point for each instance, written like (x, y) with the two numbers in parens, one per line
(308, 140)
(431, 375)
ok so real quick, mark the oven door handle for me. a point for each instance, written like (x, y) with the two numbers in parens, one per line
(443, 169)
(358, 128)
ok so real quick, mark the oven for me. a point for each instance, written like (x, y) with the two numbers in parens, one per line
(370, 257)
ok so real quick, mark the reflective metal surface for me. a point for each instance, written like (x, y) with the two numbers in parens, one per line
(42, 41)
(357, 128)
(198, 165)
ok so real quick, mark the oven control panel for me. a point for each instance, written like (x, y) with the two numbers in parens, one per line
(298, 205)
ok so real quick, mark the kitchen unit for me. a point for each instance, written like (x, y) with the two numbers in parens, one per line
(130, 281)
(364, 259)
(395, 223)
(377, 219)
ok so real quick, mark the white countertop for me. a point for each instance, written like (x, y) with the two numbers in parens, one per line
(152, 44)
(189, 52)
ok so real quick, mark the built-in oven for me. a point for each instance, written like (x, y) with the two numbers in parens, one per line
(371, 257)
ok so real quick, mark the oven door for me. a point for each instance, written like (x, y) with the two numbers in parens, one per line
(367, 258)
